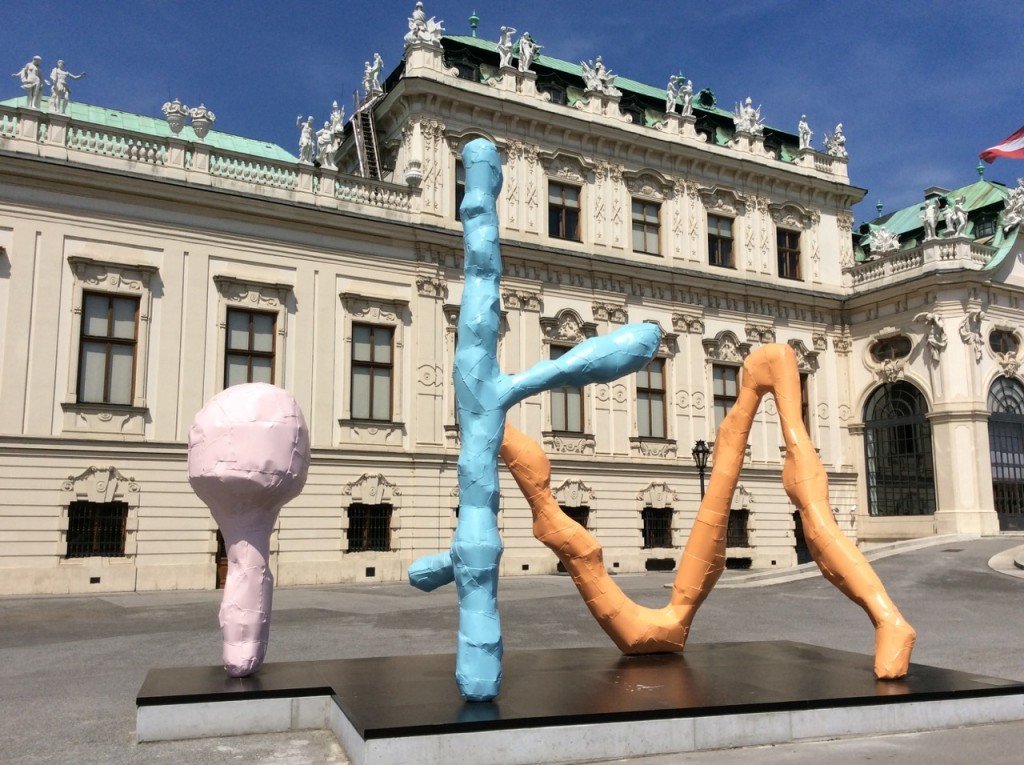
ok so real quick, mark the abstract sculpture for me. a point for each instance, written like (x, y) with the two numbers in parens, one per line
(484, 395)
(635, 629)
(248, 454)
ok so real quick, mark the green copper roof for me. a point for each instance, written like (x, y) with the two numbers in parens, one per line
(139, 123)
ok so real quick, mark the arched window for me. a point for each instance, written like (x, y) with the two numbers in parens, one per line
(898, 447)
(1006, 450)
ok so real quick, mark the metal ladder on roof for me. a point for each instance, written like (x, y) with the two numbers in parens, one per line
(366, 135)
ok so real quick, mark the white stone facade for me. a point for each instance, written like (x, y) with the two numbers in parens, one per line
(192, 232)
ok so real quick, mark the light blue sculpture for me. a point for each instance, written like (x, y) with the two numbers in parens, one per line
(483, 395)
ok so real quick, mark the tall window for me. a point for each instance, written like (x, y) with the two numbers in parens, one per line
(372, 371)
(898, 449)
(566, 403)
(805, 402)
(788, 243)
(657, 526)
(738, 531)
(724, 389)
(460, 188)
(1006, 451)
(106, 365)
(650, 400)
(646, 216)
(96, 529)
(720, 242)
(369, 528)
(249, 350)
(564, 211)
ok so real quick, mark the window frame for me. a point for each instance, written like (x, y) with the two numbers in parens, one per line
(717, 238)
(562, 207)
(366, 524)
(645, 224)
(716, 397)
(460, 188)
(372, 365)
(562, 349)
(641, 391)
(648, 529)
(250, 353)
(786, 255)
(241, 292)
(95, 524)
(108, 340)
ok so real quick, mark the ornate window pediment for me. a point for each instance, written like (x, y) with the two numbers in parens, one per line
(668, 345)
(567, 327)
(648, 183)
(718, 199)
(101, 485)
(792, 215)
(725, 347)
(573, 493)
(688, 323)
(566, 167)
(806, 359)
(657, 494)
(373, 489)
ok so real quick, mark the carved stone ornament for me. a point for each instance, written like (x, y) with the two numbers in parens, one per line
(744, 499)
(936, 334)
(372, 489)
(582, 444)
(101, 484)
(791, 215)
(806, 359)
(1009, 363)
(431, 285)
(252, 294)
(647, 184)
(882, 242)
(970, 331)
(722, 200)
(657, 494)
(890, 370)
(662, 448)
(725, 347)
(1013, 211)
(760, 333)
(610, 312)
(565, 167)
(690, 324)
(389, 310)
(842, 340)
(573, 493)
(568, 327)
(526, 300)
(101, 274)
(819, 341)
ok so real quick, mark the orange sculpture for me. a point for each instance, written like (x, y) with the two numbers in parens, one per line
(636, 629)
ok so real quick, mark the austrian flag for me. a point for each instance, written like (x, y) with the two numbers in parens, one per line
(1012, 147)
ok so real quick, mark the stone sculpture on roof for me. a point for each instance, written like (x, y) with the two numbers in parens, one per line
(325, 145)
(835, 143)
(956, 217)
(32, 82)
(598, 79)
(337, 119)
(60, 93)
(306, 140)
(930, 218)
(882, 242)
(671, 94)
(422, 29)
(805, 133)
(505, 47)
(747, 119)
(1013, 213)
(202, 120)
(528, 50)
(686, 98)
(175, 112)
(371, 76)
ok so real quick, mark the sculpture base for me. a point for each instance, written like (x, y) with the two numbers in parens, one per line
(579, 704)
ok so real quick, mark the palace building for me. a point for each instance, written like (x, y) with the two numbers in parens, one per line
(146, 264)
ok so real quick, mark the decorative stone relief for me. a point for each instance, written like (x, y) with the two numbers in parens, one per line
(761, 206)
(721, 200)
(823, 411)
(760, 333)
(844, 220)
(688, 323)
(647, 184)
(791, 215)
(806, 359)
(615, 173)
(970, 331)
(936, 333)
(103, 484)
(619, 394)
(513, 158)
(531, 155)
(693, 193)
(435, 161)
(610, 312)
(842, 340)
(744, 500)
(844, 412)
(520, 299)
(697, 399)
(1013, 212)
(682, 400)
(725, 347)
(373, 489)
(646, 447)
(568, 327)
(566, 167)
(657, 494)
(573, 493)
(819, 341)
(423, 30)
(890, 370)
(434, 286)
(387, 310)
(568, 443)
(252, 294)
(430, 376)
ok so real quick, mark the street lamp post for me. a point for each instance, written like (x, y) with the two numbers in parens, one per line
(701, 451)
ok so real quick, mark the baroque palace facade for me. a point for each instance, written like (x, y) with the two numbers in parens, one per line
(143, 269)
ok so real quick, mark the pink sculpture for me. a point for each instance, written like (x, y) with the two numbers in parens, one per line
(248, 454)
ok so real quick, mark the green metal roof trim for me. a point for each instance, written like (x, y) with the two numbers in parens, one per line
(1003, 243)
(978, 194)
(158, 128)
(622, 83)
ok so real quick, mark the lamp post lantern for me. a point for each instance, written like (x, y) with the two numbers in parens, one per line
(701, 451)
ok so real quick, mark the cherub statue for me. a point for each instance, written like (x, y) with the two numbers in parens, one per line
(325, 144)
(671, 94)
(747, 119)
(422, 29)
(306, 140)
(32, 82)
(930, 218)
(528, 50)
(805, 133)
(686, 98)
(956, 217)
(835, 143)
(60, 93)
(505, 47)
(371, 76)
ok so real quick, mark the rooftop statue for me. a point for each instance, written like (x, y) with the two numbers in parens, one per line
(422, 29)
(505, 47)
(1013, 213)
(32, 82)
(805, 133)
(528, 50)
(882, 242)
(306, 140)
(326, 142)
(930, 218)
(371, 76)
(599, 79)
(685, 99)
(747, 119)
(60, 93)
(337, 119)
(956, 217)
(671, 94)
(202, 120)
(175, 112)
(835, 143)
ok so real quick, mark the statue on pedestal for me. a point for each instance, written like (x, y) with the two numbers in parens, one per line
(371, 76)
(930, 218)
(956, 217)
(598, 79)
(835, 143)
(307, 140)
(685, 99)
(325, 145)
(422, 29)
(805, 133)
(671, 94)
(337, 119)
(505, 47)
(32, 82)
(60, 93)
(528, 50)
(747, 119)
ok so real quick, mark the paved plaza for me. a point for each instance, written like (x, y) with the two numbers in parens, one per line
(70, 666)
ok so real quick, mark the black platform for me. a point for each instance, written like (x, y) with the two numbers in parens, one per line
(416, 695)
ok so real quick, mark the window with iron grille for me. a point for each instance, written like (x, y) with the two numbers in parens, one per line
(788, 243)
(460, 188)
(724, 389)
(106, 360)
(369, 528)
(657, 526)
(646, 226)
(720, 242)
(372, 371)
(249, 349)
(1006, 451)
(579, 514)
(650, 400)
(566, 403)
(1002, 341)
(737, 533)
(96, 529)
(563, 211)
(898, 450)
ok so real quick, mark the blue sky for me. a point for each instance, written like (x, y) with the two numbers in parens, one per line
(921, 87)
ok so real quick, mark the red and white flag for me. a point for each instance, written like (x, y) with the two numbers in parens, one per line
(1012, 147)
